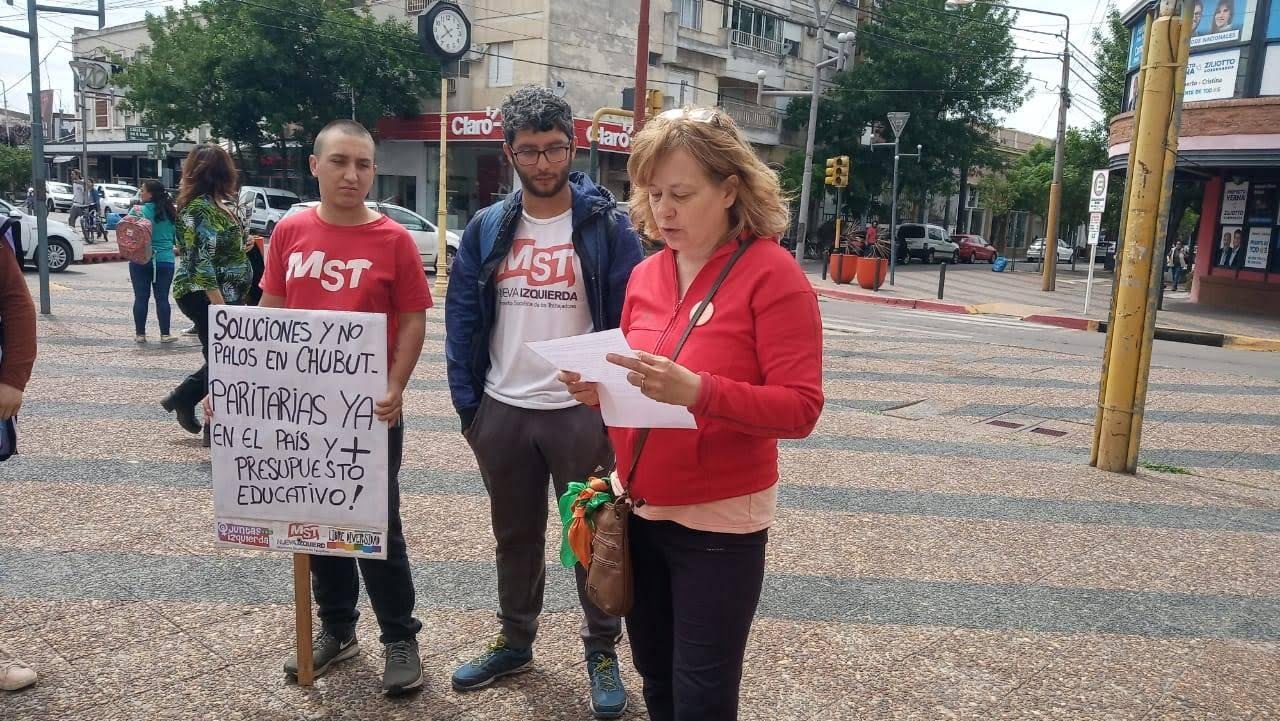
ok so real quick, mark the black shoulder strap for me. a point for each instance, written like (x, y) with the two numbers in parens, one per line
(693, 323)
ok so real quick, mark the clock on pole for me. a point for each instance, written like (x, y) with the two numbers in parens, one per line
(444, 31)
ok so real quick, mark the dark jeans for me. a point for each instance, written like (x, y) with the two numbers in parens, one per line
(336, 583)
(695, 597)
(1175, 273)
(148, 280)
(257, 263)
(517, 449)
(192, 389)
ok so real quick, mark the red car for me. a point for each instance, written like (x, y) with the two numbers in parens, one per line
(974, 248)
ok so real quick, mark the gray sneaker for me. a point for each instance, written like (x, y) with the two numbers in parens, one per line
(403, 670)
(326, 651)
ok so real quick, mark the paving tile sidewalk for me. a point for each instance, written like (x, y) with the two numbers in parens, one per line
(921, 567)
(1018, 292)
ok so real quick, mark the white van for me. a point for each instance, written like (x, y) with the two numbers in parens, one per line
(261, 208)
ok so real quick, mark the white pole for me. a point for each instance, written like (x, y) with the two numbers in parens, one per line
(1088, 288)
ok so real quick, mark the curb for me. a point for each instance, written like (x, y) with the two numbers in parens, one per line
(908, 303)
(1176, 335)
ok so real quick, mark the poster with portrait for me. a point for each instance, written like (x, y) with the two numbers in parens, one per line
(1262, 204)
(1217, 22)
(1259, 247)
(1131, 97)
(1230, 249)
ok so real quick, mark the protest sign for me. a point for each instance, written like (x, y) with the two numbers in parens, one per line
(299, 458)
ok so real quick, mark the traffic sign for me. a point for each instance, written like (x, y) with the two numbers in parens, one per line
(1098, 191)
(898, 121)
(157, 151)
(139, 134)
(1095, 227)
(144, 134)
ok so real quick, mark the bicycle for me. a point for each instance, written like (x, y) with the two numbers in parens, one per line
(91, 224)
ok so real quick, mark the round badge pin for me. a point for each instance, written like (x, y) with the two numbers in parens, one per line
(706, 314)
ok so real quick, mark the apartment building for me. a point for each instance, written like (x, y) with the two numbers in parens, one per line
(701, 52)
(117, 144)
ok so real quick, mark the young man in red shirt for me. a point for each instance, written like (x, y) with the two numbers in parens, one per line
(343, 255)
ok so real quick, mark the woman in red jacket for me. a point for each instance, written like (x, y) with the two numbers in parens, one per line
(750, 372)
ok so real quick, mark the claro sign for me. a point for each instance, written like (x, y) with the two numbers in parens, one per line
(486, 126)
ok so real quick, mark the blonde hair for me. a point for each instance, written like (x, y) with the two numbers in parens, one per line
(716, 143)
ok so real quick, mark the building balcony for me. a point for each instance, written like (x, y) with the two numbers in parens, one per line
(751, 116)
(758, 43)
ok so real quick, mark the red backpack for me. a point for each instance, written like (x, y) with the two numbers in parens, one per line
(133, 237)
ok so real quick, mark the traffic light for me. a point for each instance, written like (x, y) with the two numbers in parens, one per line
(838, 171)
(653, 103)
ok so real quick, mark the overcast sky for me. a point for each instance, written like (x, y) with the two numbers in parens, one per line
(1038, 115)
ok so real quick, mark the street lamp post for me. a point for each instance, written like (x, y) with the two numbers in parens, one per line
(814, 94)
(1050, 277)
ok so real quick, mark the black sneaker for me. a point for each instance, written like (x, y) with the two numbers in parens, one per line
(403, 670)
(326, 651)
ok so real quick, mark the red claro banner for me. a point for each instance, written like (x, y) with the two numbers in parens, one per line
(486, 126)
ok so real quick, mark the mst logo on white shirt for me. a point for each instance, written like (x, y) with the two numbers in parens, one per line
(338, 274)
(540, 296)
(539, 267)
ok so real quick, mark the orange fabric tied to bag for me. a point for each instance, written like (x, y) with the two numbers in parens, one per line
(576, 506)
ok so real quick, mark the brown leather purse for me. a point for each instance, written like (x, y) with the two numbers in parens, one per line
(610, 582)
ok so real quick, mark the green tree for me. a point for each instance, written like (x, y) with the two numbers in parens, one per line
(15, 168)
(1111, 55)
(955, 72)
(265, 72)
(1031, 175)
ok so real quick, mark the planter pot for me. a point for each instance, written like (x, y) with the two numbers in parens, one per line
(842, 269)
(872, 272)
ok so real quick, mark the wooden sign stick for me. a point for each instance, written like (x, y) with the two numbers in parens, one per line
(302, 617)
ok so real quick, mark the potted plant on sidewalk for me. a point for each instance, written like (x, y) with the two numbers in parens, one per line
(873, 268)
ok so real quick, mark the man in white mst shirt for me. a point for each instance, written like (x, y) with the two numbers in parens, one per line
(550, 261)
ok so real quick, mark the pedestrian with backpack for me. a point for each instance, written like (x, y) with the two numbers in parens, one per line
(145, 238)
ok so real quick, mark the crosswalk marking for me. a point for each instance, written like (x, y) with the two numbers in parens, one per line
(875, 327)
(989, 320)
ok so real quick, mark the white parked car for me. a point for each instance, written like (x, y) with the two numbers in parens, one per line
(65, 247)
(119, 197)
(928, 242)
(261, 208)
(422, 230)
(58, 196)
(1035, 251)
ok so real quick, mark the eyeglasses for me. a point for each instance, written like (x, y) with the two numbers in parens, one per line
(698, 115)
(555, 156)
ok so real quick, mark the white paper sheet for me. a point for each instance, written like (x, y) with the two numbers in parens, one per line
(622, 405)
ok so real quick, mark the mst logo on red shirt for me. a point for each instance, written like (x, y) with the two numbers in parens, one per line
(552, 265)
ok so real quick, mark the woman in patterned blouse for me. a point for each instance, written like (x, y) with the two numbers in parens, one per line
(212, 266)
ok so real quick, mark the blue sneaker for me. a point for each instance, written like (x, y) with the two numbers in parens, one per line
(497, 661)
(608, 696)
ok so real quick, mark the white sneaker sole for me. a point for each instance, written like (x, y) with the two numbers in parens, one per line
(404, 689)
(611, 714)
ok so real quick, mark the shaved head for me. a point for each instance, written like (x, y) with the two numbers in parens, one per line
(349, 128)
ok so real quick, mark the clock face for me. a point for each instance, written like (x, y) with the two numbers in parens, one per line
(449, 30)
